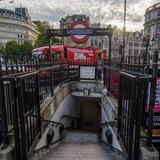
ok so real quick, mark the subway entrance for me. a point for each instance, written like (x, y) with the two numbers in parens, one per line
(90, 113)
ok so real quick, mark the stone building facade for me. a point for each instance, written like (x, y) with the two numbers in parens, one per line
(134, 44)
(152, 28)
(16, 25)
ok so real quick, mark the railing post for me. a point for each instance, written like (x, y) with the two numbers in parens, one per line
(119, 105)
(152, 98)
(109, 59)
(51, 64)
(3, 115)
(0, 66)
(16, 118)
(21, 117)
(38, 104)
(109, 50)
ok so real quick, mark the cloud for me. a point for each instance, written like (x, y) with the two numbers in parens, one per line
(103, 11)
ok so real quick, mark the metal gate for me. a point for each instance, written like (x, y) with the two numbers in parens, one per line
(131, 110)
(19, 98)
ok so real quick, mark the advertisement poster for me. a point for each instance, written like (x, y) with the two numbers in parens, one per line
(157, 100)
(156, 117)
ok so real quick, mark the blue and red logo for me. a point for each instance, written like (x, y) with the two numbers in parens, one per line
(79, 38)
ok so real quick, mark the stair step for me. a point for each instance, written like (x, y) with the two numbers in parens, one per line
(78, 145)
(78, 151)
(80, 137)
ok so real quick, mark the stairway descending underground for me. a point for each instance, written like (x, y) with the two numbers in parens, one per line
(80, 145)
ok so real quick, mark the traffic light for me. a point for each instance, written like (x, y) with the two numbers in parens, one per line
(65, 53)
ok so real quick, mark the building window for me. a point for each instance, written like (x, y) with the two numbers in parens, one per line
(149, 16)
(136, 52)
(130, 44)
(130, 51)
(141, 52)
(136, 44)
(143, 44)
(158, 28)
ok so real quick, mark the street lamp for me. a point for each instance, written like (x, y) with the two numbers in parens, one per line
(124, 33)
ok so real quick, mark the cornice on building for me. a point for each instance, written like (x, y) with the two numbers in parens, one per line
(17, 21)
(152, 8)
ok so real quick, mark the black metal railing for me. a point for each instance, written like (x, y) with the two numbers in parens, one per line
(133, 85)
(131, 110)
(10, 66)
(7, 107)
(44, 76)
(20, 96)
(28, 101)
(138, 63)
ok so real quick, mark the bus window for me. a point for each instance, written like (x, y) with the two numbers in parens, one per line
(57, 56)
(38, 55)
(100, 56)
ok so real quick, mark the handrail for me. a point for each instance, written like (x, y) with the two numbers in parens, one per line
(53, 122)
(108, 123)
(70, 117)
(68, 80)
(45, 147)
(42, 119)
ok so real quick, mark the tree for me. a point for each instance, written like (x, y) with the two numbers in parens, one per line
(26, 49)
(2, 49)
(12, 49)
(42, 39)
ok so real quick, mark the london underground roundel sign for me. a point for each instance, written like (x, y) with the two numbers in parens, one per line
(79, 38)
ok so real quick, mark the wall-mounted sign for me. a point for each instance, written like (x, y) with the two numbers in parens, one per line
(80, 31)
(88, 72)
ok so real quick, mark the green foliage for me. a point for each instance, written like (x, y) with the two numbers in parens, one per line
(12, 49)
(42, 39)
(2, 49)
(26, 49)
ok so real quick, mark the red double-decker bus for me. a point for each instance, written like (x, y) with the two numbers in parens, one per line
(70, 53)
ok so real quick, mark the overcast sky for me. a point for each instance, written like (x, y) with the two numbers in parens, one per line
(103, 11)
